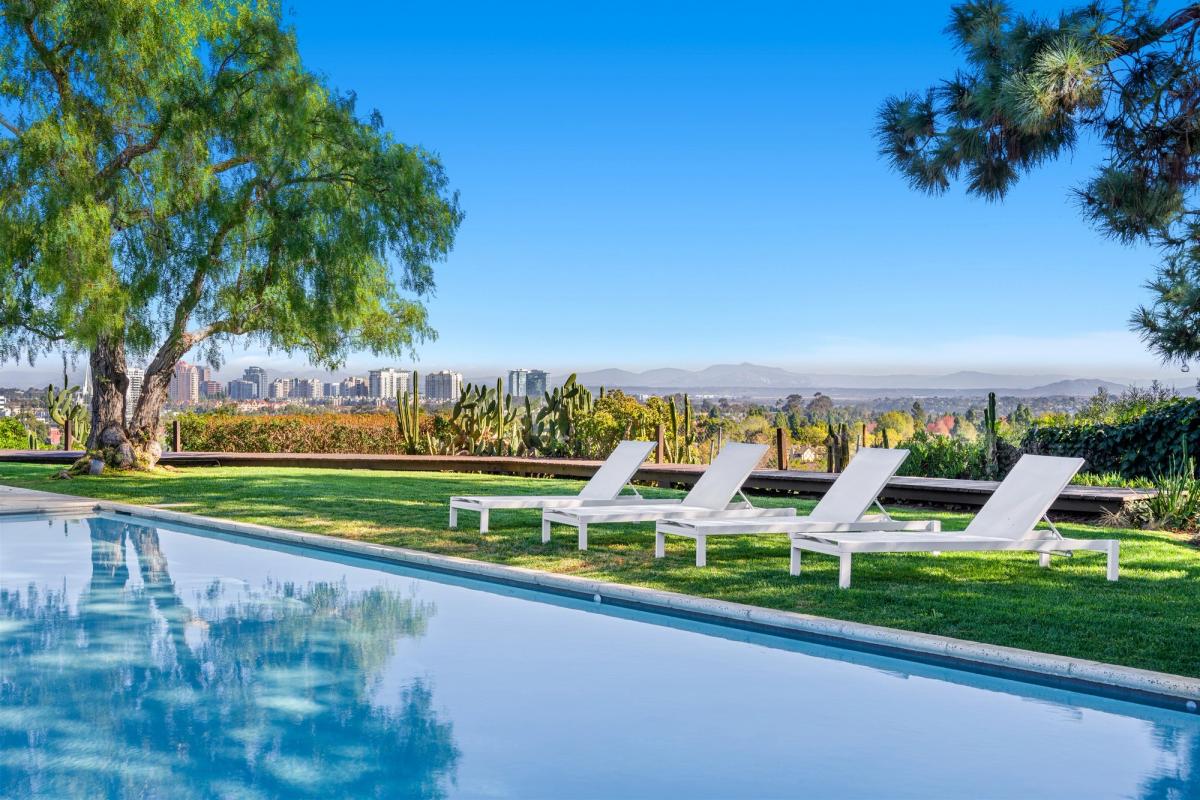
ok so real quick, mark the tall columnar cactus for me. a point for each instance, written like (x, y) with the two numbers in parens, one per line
(831, 445)
(499, 416)
(63, 405)
(991, 439)
(680, 435)
(408, 420)
(844, 447)
(837, 446)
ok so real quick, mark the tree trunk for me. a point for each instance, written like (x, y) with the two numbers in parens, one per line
(108, 439)
(138, 443)
(145, 428)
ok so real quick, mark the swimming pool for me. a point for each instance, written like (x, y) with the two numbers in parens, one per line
(141, 659)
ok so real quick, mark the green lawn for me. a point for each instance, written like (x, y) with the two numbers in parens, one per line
(1150, 619)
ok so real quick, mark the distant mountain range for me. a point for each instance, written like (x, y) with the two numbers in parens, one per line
(756, 379)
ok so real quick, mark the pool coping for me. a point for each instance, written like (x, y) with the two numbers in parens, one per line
(1093, 677)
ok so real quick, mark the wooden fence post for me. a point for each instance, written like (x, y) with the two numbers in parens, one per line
(662, 443)
(781, 448)
(175, 440)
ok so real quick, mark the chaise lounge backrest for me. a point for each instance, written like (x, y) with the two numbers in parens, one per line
(857, 487)
(616, 471)
(1024, 497)
(725, 476)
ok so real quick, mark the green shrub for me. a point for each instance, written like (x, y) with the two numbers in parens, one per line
(13, 435)
(291, 433)
(933, 456)
(1143, 447)
(1113, 479)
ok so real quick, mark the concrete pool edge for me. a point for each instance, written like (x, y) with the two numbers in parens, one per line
(1094, 677)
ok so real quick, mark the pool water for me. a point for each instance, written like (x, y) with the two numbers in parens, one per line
(152, 661)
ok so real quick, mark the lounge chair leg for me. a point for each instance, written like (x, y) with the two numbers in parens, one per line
(701, 551)
(660, 544)
(794, 567)
(583, 536)
(545, 531)
(453, 517)
(1043, 560)
(1114, 550)
(483, 521)
(844, 571)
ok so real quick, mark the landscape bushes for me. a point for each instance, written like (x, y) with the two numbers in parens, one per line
(933, 456)
(291, 433)
(13, 435)
(1146, 446)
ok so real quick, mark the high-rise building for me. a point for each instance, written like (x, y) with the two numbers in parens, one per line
(257, 376)
(442, 386)
(332, 389)
(242, 389)
(527, 382)
(184, 388)
(133, 392)
(516, 382)
(280, 389)
(210, 390)
(537, 382)
(387, 383)
(307, 388)
(203, 373)
(354, 387)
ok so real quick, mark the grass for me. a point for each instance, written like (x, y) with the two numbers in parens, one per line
(1149, 619)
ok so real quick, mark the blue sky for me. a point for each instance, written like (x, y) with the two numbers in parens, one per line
(679, 184)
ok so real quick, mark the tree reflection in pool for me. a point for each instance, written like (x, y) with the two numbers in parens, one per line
(267, 694)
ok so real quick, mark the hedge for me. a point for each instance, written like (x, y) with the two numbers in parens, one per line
(1151, 445)
(290, 433)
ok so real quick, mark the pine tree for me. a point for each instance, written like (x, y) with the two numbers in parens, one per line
(1117, 70)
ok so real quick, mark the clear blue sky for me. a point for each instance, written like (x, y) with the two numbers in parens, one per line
(678, 184)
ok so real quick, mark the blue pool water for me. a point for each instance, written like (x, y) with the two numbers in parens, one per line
(139, 660)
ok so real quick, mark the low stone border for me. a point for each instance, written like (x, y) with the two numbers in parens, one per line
(1093, 677)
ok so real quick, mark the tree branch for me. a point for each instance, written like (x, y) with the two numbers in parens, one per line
(127, 155)
(1189, 15)
(48, 60)
(11, 126)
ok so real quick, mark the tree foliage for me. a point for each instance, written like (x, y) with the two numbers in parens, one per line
(1120, 72)
(172, 177)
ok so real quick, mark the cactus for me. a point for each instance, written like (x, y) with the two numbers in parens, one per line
(837, 446)
(561, 412)
(831, 443)
(844, 447)
(408, 420)
(62, 405)
(991, 437)
(680, 436)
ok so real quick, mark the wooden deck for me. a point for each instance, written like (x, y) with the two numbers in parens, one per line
(1075, 500)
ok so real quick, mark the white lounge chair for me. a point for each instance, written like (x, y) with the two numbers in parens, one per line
(842, 508)
(710, 497)
(1007, 522)
(604, 487)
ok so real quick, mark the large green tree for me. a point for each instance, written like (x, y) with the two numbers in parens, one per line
(172, 178)
(1121, 72)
